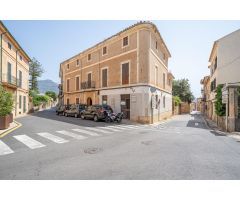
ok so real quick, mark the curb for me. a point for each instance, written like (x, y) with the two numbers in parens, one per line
(161, 122)
(214, 129)
(11, 130)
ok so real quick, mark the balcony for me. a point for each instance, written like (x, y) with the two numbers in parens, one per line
(10, 81)
(60, 86)
(87, 85)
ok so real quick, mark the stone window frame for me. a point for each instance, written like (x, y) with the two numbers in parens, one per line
(128, 39)
(129, 67)
(102, 74)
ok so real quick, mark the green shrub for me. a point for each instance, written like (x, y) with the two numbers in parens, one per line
(6, 102)
(220, 108)
(51, 94)
(39, 99)
(176, 100)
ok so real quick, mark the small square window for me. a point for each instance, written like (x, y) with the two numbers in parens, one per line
(89, 57)
(104, 50)
(125, 41)
(9, 46)
(20, 57)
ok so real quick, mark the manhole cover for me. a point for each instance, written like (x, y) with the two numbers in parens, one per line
(92, 150)
(147, 142)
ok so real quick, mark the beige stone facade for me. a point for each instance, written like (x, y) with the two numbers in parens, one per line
(128, 71)
(14, 70)
(224, 70)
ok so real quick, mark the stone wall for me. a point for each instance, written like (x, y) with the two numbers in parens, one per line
(184, 108)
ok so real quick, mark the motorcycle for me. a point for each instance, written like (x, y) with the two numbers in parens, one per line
(113, 117)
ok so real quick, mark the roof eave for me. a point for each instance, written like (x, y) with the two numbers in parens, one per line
(122, 31)
(18, 45)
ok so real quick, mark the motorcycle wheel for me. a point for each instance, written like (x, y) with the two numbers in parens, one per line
(107, 120)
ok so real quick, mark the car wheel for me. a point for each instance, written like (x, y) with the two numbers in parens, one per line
(82, 116)
(76, 115)
(57, 113)
(66, 114)
(95, 118)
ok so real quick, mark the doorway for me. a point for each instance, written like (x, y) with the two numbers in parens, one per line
(89, 101)
(125, 105)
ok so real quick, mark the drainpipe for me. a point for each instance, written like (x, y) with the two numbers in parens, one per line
(1, 57)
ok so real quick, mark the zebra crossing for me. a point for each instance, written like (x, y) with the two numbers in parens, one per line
(80, 133)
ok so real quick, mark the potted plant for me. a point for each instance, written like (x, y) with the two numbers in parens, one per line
(6, 106)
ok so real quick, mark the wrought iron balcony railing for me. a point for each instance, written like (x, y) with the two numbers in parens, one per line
(87, 85)
(11, 80)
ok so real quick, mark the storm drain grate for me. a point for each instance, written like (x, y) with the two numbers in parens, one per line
(93, 150)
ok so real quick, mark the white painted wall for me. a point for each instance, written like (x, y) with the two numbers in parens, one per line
(142, 105)
(228, 54)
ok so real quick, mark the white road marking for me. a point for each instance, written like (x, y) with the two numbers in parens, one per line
(109, 128)
(71, 134)
(196, 124)
(86, 132)
(5, 149)
(97, 130)
(53, 138)
(29, 142)
(129, 126)
(117, 127)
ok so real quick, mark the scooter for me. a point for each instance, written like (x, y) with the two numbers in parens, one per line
(113, 117)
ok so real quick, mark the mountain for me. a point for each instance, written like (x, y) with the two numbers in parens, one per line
(47, 85)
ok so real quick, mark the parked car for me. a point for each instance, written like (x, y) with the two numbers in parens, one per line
(60, 109)
(75, 110)
(96, 112)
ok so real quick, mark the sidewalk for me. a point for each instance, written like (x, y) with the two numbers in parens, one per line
(213, 126)
(13, 126)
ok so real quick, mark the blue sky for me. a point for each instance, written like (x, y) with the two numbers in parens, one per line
(189, 42)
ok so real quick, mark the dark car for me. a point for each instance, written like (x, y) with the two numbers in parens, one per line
(60, 109)
(75, 110)
(96, 112)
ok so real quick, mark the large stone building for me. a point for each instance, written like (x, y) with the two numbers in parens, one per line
(128, 71)
(14, 70)
(224, 70)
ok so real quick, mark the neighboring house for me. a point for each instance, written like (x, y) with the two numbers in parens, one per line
(207, 105)
(14, 70)
(225, 70)
(128, 71)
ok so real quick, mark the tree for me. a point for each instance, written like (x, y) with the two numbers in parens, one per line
(39, 99)
(6, 102)
(182, 89)
(35, 71)
(176, 100)
(220, 108)
(51, 94)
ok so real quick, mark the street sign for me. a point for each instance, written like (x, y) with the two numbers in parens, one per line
(224, 99)
(224, 95)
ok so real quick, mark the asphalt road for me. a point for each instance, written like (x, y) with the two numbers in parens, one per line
(55, 147)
